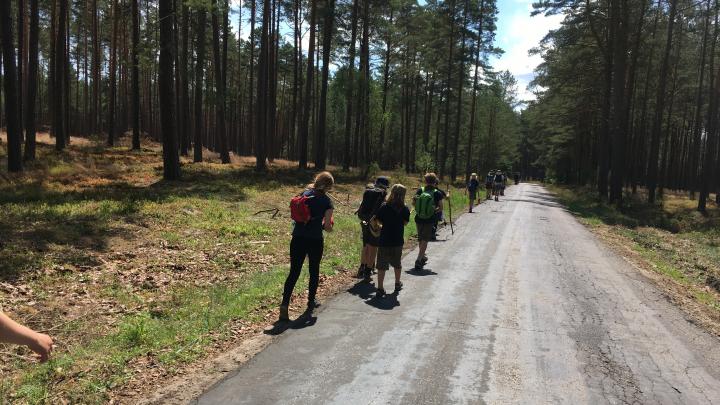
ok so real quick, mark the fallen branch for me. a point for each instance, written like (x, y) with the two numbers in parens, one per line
(275, 212)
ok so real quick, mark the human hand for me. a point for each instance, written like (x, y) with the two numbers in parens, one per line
(41, 344)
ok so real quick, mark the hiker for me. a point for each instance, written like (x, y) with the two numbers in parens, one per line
(373, 198)
(393, 215)
(307, 237)
(489, 184)
(498, 184)
(428, 205)
(15, 333)
(472, 188)
(439, 215)
(517, 178)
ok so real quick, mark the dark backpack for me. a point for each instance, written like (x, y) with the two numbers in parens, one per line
(371, 202)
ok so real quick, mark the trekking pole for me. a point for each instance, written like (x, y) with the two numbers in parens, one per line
(452, 230)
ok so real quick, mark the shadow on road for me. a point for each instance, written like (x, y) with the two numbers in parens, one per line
(385, 303)
(305, 320)
(421, 273)
(363, 289)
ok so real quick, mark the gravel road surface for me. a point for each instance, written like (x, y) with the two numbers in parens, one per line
(522, 305)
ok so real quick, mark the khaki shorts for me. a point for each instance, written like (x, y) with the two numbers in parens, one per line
(425, 231)
(389, 256)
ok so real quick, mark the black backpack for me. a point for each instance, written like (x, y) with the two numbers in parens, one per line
(371, 202)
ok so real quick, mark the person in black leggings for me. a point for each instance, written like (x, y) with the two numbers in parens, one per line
(307, 241)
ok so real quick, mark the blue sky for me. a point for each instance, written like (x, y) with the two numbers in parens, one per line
(517, 34)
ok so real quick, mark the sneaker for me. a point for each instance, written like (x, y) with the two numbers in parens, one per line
(419, 264)
(424, 260)
(284, 316)
(380, 293)
(398, 286)
(312, 305)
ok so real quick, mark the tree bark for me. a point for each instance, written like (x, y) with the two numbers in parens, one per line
(171, 158)
(303, 138)
(10, 84)
(135, 76)
(30, 114)
(199, 74)
(321, 137)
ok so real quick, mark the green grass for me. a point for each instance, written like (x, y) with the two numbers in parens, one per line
(101, 224)
(675, 239)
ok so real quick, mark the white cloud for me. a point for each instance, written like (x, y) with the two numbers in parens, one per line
(518, 32)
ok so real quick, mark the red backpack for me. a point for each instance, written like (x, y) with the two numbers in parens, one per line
(299, 208)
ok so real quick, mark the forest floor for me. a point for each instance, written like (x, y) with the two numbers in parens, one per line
(671, 242)
(137, 278)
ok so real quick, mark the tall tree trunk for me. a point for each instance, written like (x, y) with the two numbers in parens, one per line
(619, 94)
(660, 107)
(10, 84)
(263, 121)
(693, 178)
(448, 89)
(386, 83)
(59, 78)
(471, 130)
(219, 88)
(712, 124)
(350, 86)
(113, 73)
(321, 137)
(303, 138)
(135, 75)
(199, 74)
(171, 158)
(461, 82)
(32, 78)
(20, 65)
(252, 131)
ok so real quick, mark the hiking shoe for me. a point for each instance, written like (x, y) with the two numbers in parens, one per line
(380, 293)
(312, 305)
(361, 271)
(424, 260)
(284, 316)
(398, 286)
(419, 265)
(367, 276)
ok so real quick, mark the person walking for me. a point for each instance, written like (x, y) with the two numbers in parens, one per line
(472, 188)
(489, 184)
(394, 215)
(373, 198)
(307, 238)
(428, 206)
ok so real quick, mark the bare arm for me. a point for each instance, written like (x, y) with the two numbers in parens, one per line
(327, 221)
(13, 332)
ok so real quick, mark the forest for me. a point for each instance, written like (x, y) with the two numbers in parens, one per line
(352, 83)
(628, 96)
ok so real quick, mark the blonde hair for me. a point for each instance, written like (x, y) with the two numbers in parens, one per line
(323, 182)
(396, 197)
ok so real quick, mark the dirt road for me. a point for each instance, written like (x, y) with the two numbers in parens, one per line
(521, 305)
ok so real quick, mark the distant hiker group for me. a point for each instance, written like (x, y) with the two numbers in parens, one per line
(383, 216)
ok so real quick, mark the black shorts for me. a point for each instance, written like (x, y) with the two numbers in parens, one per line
(473, 195)
(389, 256)
(367, 236)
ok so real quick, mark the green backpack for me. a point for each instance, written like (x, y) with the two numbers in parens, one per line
(425, 204)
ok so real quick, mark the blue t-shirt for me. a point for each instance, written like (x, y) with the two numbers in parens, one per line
(318, 203)
(392, 233)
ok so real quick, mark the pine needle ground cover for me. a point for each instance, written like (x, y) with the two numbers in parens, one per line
(671, 239)
(130, 274)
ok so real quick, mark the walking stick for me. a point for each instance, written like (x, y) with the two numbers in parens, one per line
(452, 230)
